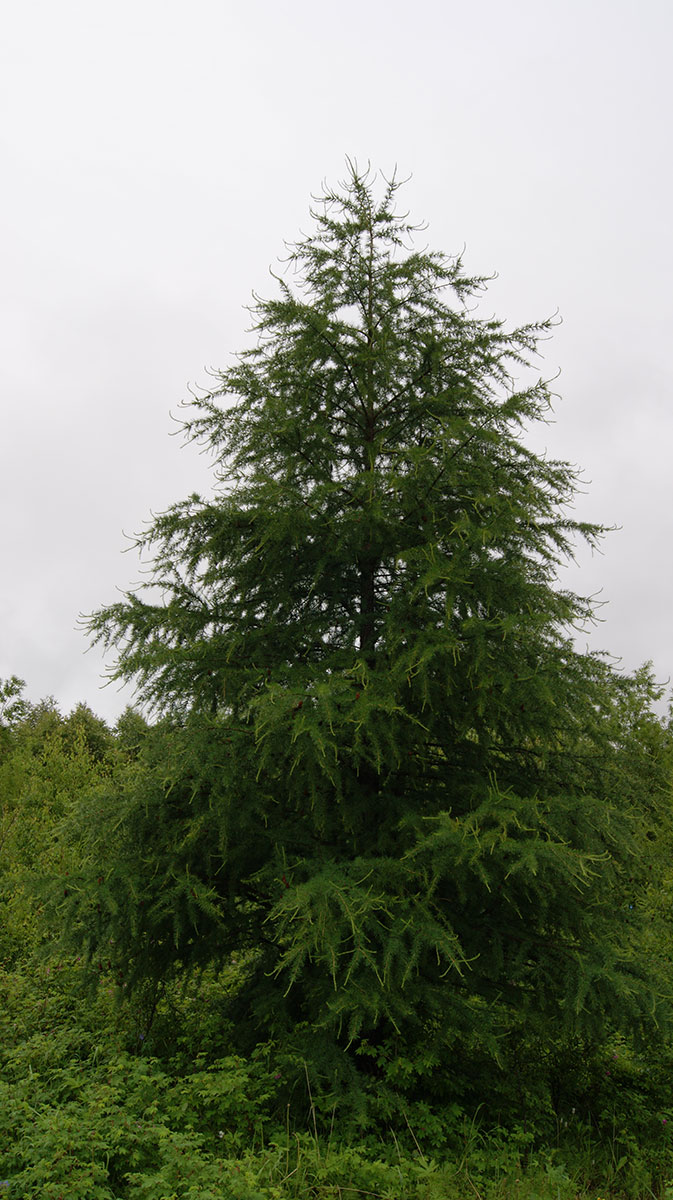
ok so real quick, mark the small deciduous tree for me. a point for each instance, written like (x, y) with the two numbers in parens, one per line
(383, 771)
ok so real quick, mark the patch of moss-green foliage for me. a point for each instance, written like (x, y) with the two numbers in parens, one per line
(104, 1096)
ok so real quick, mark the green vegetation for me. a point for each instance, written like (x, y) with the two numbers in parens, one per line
(378, 901)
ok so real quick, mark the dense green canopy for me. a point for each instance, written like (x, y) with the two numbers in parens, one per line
(383, 772)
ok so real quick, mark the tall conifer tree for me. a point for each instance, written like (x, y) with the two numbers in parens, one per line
(384, 771)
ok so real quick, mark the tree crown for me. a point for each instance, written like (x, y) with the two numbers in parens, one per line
(374, 494)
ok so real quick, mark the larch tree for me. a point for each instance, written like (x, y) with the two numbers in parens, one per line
(382, 770)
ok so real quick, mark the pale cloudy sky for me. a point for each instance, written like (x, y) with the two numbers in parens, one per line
(156, 154)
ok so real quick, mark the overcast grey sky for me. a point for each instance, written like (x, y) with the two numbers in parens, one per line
(156, 153)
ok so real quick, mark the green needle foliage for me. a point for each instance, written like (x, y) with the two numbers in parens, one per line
(383, 777)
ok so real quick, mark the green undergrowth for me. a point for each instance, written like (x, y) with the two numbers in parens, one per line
(90, 1110)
